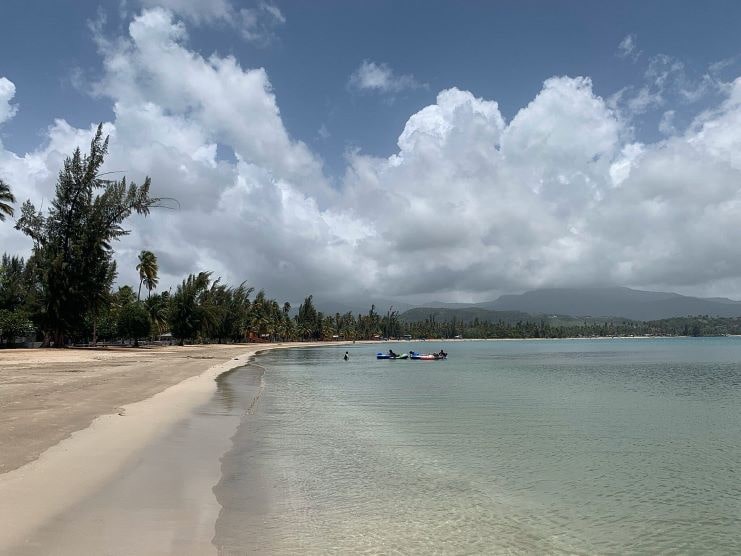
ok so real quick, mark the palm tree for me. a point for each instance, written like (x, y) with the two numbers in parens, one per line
(6, 200)
(157, 306)
(186, 314)
(148, 269)
(290, 328)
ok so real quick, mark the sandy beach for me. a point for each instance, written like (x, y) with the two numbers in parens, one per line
(83, 414)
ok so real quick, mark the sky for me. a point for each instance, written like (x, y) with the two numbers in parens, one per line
(409, 151)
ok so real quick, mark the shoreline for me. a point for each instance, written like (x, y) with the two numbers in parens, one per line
(32, 494)
(89, 457)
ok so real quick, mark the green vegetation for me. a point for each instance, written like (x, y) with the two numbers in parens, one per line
(188, 312)
(134, 322)
(17, 299)
(449, 324)
(13, 324)
(205, 310)
(72, 243)
(6, 201)
(148, 270)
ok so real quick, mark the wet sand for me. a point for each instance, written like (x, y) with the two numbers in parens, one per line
(162, 501)
(72, 421)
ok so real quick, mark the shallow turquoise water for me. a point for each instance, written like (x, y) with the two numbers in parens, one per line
(565, 446)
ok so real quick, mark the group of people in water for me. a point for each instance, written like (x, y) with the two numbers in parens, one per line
(393, 355)
(441, 355)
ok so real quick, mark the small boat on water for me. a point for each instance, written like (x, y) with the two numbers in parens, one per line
(427, 356)
(380, 355)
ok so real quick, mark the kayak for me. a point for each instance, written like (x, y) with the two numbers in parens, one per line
(426, 356)
(387, 356)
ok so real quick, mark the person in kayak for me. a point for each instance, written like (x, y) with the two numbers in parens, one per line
(347, 356)
(442, 354)
(392, 354)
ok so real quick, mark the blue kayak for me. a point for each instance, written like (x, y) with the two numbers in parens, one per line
(380, 355)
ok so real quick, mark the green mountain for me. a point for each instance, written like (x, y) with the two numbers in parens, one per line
(615, 302)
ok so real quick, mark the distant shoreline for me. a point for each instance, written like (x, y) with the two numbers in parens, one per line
(557, 339)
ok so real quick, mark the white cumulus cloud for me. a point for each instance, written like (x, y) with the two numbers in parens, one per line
(7, 92)
(559, 196)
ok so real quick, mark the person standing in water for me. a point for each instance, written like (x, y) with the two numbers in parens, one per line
(347, 356)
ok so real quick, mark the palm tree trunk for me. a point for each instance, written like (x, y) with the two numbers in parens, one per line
(59, 338)
(139, 295)
(95, 327)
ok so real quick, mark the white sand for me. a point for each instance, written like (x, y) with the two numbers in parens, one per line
(77, 466)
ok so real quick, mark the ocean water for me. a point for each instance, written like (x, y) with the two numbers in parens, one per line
(536, 446)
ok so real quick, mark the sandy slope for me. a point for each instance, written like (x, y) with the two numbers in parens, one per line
(78, 416)
(46, 394)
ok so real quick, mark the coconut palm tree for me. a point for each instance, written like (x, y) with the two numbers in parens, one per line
(186, 314)
(158, 306)
(148, 269)
(6, 200)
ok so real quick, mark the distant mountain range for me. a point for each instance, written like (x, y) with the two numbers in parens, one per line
(564, 304)
(615, 302)
(598, 303)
